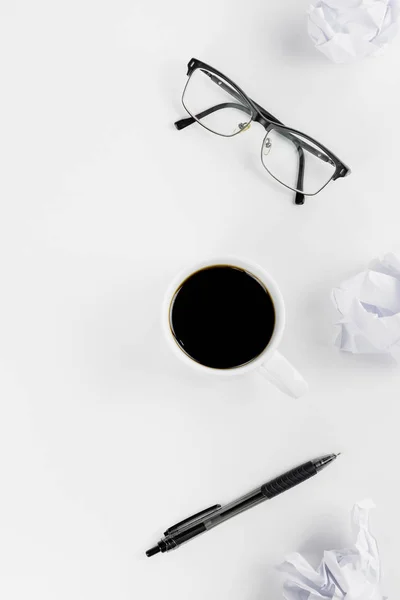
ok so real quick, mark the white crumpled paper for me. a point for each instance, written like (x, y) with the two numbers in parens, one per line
(369, 305)
(347, 30)
(352, 573)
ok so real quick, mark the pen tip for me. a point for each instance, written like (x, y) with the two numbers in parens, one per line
(338, 454)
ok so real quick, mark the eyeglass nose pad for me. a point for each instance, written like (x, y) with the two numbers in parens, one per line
(242, 127)
(267, 145)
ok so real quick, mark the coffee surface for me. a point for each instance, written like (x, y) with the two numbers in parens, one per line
(222, 317)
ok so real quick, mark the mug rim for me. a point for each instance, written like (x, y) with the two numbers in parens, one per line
(257, 271)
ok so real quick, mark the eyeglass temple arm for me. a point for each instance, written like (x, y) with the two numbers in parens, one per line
(182, 123)
(299, 199)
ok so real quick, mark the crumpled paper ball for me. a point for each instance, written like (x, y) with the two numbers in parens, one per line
(353, 573)
(347, 30)
(369, 305)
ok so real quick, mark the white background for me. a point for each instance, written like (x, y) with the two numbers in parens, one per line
(105, 438)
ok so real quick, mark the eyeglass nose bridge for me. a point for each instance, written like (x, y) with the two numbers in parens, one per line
(260, 119)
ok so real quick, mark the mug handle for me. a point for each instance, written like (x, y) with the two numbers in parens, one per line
(284, 376)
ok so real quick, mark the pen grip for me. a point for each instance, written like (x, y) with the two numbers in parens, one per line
(288, 480)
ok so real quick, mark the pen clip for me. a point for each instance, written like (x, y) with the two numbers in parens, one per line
(202, 513)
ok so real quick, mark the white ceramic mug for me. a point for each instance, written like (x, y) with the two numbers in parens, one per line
(270, 362)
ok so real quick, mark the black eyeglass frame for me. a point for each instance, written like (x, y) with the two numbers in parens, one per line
(258, 114)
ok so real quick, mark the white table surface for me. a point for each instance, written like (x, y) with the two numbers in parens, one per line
(105, 438)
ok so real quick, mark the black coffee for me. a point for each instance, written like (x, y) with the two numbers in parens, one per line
(222, 317)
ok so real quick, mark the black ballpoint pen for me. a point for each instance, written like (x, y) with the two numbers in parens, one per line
(186, 530)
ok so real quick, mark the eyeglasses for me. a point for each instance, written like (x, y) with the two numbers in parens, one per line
(293, 158)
